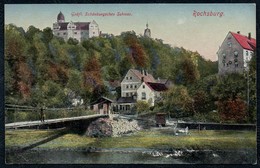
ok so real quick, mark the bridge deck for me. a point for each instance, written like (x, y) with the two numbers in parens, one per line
(50, 121)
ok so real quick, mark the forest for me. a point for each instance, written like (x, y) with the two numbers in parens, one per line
(41, 69)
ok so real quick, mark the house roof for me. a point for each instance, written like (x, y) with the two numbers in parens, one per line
(126, 100)
(147, 77)
(102, 100)
(244, 41)
(79, 25)
(159, 87)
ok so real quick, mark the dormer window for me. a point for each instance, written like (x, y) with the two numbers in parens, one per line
(246, 53)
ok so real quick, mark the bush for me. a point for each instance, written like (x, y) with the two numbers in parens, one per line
(142, 106)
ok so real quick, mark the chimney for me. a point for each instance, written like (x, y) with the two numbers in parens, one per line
(142, 79)
(238, 32)
(249, 36)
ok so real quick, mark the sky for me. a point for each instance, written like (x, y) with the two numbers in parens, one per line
(180, 25)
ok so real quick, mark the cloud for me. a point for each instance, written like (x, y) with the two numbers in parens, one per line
(181, 21)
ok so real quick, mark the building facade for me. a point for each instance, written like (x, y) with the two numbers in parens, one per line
(75, 30)
(235, 52)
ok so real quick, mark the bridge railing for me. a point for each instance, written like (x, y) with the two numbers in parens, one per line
(17, 113)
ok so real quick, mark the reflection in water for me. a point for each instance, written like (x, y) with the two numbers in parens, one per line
(145, 157)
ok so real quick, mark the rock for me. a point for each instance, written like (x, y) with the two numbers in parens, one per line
(104, 127)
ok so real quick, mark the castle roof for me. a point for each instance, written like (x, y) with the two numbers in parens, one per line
(79, 25)
(60, 16)
(244, 41)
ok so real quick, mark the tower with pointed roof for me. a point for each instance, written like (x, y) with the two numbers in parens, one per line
(60, 18)
(147, 31)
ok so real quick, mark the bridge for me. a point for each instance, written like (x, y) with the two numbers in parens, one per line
(80, 122)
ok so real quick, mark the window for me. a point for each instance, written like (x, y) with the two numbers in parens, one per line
(143, 86)
(246, 53)
(93, 32)
(58, 34)
(143, 95)
(64, 33)
(135, 86)
(229, 44)
(126, 78)
(224, 55)
(236, 54)
(127, 86)
(75, 32)
(130, 77)
(127, 95)
(131, 86)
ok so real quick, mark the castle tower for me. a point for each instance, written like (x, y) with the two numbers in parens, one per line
(147, 31)
(60, 18)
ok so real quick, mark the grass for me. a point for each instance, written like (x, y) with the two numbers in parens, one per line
(206, 139)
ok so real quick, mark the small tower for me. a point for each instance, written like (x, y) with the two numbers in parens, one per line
(147, 31)
(60, 18)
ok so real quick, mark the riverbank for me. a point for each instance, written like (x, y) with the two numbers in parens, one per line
(149, 139)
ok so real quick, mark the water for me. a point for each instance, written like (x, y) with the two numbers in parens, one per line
(137, 157)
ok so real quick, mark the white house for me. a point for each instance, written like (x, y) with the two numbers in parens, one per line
(235, 52)
(150, 92)
(75, 30)
(139, 85)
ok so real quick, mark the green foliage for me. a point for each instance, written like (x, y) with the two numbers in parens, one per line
(178, 102)
(142, 106)
(41, 68)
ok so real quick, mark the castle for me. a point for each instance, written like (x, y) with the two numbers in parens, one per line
(80, 30)
(75, 30)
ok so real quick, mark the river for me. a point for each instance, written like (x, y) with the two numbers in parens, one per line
(35, 156)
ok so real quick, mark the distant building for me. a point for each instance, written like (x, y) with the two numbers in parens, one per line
(235, 52)
(147, 32)
(75, 30)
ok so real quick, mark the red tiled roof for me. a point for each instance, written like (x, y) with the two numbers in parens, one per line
(147, 78)
(157, 86)
(249, 44)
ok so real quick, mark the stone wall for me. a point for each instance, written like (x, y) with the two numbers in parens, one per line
(105, 127)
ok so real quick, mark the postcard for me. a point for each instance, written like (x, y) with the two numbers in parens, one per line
(157, 83)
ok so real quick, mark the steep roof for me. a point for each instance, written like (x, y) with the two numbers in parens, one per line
(60, 16)
(244, 41)
(159, 87)
(101, 100)
(146, 78)
(79, 25)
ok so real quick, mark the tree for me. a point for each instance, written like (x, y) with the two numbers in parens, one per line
(92, 74)
(233, 110)
(230, 92)
(178, 102)
(72, 41)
